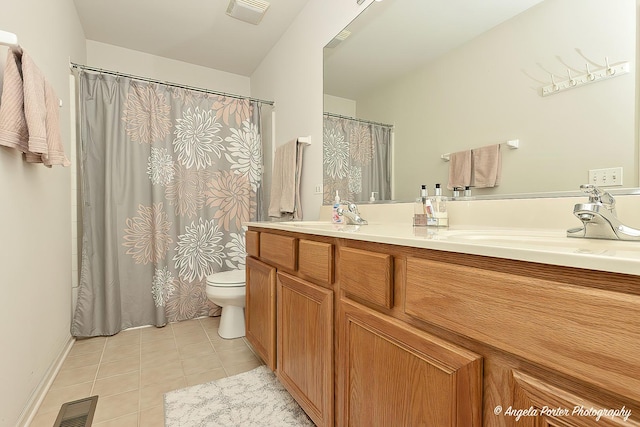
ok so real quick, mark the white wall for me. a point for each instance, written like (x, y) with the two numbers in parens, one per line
(291, 75)
(129, 61)
(35, 229)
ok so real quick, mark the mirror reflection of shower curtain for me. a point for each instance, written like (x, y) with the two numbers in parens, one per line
(168, 177)
(356, 159)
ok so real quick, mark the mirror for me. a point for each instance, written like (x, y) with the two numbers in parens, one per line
(457, 75)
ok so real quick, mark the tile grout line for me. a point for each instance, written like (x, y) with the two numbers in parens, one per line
(95, 376)
(139, 381)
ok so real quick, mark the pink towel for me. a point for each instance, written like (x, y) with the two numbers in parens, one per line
(41, 112)
(487, 166)
(459, 169)
(13, 125)
(29, 112)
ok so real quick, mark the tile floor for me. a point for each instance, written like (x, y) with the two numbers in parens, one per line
(132, 370)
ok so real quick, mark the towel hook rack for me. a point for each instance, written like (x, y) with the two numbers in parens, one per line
(606, 72)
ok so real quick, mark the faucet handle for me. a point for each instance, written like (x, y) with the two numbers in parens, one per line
(596, 195)
(593, 192)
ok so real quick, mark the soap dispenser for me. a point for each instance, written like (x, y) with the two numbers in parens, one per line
(440, 214)
(335, 217)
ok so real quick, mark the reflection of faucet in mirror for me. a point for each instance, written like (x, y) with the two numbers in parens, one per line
(351, 214)
(599, 218)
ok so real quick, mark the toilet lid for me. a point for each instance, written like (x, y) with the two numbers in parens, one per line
(227, 278)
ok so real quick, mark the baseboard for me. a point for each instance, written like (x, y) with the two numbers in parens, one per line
(40, 392)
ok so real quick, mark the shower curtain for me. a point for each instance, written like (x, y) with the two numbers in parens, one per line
(168, 176)
(356, 160)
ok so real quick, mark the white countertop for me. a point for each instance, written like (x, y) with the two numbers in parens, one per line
(542, 246)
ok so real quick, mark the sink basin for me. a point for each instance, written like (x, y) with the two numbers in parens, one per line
(539, 239)
(322, 225)
(308, 223)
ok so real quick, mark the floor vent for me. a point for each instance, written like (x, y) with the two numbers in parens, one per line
(78, 413)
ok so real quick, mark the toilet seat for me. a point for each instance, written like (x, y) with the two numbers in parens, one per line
(233, 278)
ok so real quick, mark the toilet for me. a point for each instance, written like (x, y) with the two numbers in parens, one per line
(227, 289)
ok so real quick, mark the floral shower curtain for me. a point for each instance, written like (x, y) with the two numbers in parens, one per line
(356, 160)
(168, 176)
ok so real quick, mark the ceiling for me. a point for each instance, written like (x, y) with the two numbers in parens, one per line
(195, 31)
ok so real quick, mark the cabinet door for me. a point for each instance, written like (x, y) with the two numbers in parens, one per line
(260, 310)
(544, 405)
(391, 374)
(305, 345)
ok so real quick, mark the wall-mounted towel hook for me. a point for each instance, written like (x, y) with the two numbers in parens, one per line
(8, 39)
(572, 81)
(554, 85)
(610, 70)
(590, 75)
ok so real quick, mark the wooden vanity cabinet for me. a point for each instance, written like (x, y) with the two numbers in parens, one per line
(289, 314)
(391, 374)
(260, 310)
(400, 336)
(305, 345)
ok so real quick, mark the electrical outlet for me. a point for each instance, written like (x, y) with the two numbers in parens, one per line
(609, 177)
(319, 189)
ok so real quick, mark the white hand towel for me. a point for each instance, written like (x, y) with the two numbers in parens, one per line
(283, 182)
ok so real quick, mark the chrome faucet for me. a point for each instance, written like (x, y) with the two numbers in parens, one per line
(599, 218)
(351, 214)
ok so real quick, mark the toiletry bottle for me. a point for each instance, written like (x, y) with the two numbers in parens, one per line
(373, 196)
(337, 219)
(419, 210)
(440, 208)
(426, 202)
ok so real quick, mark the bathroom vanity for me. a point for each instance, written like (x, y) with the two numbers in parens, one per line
(391, 325)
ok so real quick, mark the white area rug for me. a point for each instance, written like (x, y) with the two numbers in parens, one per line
(254, 398)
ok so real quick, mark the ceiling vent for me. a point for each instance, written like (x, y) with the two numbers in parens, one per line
(250, 11)
(342, 36)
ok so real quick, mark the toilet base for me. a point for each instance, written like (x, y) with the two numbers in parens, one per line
(231, 322)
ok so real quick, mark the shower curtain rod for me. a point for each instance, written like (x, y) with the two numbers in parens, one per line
(358, 120)
(178, 85)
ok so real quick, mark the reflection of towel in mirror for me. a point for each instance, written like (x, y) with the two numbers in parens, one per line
(285, 183)
(487, 166)
(459, 169)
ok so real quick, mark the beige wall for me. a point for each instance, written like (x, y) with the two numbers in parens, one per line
(291, 75)
(487, 92)
(337, 105)
(35, 229)
(129, 61)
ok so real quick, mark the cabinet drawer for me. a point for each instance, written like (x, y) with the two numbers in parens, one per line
(315, 259)
(367, 275)
(589, 334)
(280, 250)
(252, 242)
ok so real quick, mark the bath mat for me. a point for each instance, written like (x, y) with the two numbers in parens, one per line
(254, 398)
